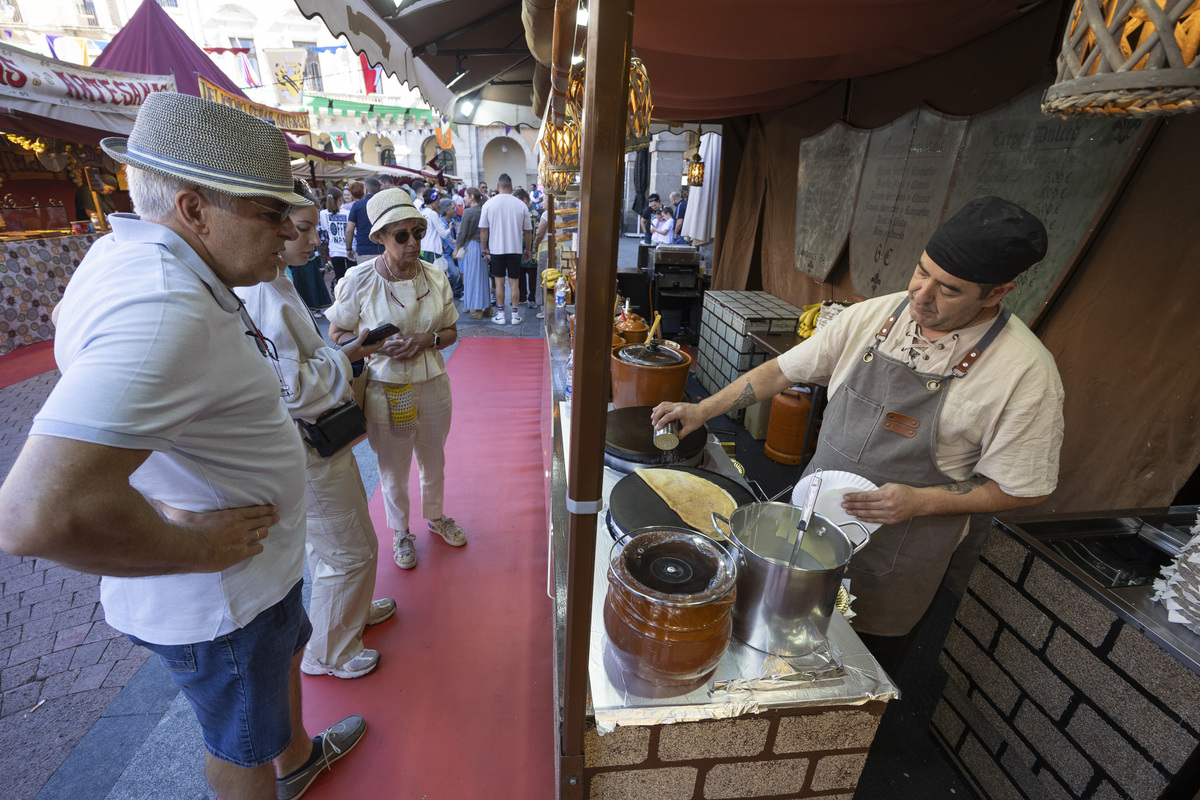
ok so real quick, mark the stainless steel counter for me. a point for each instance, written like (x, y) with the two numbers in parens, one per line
(1131, 603)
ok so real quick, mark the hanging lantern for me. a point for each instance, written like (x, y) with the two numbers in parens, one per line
(695, 171)
(575, 93)
(561, 146)
(637, 132)
(1143, 64)
(556, 182)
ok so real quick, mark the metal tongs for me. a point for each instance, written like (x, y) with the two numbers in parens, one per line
(806, 512)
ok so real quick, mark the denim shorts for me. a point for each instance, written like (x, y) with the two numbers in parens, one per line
(238, 683)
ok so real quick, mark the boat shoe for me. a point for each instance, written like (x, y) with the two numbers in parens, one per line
(328, 747)
(446, 528)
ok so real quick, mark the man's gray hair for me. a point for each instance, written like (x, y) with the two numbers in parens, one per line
(153, 195)
(445, 205)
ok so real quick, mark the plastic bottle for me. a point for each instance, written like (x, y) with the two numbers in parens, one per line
(560, 293)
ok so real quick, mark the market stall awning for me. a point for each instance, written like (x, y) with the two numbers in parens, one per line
(46, 97)
(303, 168)
(363, 25)
(706, 58)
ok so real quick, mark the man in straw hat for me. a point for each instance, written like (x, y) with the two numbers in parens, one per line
(164, 460)
(939, 397)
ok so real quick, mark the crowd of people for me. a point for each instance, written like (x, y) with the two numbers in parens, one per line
(456, 239)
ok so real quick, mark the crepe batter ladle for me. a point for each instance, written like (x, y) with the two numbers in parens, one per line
(806, 512)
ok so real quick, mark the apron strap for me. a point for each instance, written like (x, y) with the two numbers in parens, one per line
(891, 321)
(960, 369)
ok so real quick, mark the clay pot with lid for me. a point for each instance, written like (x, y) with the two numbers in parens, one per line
(648, 374)
(668, 612)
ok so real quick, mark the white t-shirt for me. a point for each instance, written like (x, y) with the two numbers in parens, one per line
(334, 226)
(155, 356)
(505, 218)
(1003, 419)
(435, 231)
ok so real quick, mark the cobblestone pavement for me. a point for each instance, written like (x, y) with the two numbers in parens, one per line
(61, 665)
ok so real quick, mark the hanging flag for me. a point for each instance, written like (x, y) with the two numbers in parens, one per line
(286, 67)
(507, 129)
(247, 77)
(340, 143)
(372, 76)
(443, 136)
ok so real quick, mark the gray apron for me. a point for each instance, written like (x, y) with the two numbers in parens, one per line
(882, 424)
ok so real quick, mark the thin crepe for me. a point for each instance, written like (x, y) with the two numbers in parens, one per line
(693, 498)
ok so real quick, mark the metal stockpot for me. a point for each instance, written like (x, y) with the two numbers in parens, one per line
(781, 609)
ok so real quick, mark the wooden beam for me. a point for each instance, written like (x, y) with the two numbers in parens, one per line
(605, 101)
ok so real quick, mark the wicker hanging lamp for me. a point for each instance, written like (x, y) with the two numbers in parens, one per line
(637, 135)
(1128, 58)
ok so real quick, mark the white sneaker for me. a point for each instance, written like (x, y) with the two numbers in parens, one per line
(499, 318)
(449, 530)
(516, 317)
(403, 551)
(381, 609)
(362, 663)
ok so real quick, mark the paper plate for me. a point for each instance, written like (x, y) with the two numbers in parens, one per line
(834, 484)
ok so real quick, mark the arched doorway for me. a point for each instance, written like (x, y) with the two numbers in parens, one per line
(376, 149)
(504, 155)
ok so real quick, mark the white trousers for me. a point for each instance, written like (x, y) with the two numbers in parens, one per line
(395, 449)
(342, 549)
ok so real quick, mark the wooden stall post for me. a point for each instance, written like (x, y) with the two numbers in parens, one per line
(606, 91)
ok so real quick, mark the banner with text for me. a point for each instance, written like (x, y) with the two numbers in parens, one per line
(284, 120)
(38, 79)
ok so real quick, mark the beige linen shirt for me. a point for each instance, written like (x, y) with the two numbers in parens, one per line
(421, 305)
(1002, 420)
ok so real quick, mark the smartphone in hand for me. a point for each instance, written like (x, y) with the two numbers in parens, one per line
(382, 332)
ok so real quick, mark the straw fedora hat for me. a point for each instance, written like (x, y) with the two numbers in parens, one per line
(388, 206)
(207, 144)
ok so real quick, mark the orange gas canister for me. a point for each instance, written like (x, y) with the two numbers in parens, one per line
(789, 421)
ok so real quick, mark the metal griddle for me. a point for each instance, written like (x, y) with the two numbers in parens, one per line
(629, 442)
(632, 504)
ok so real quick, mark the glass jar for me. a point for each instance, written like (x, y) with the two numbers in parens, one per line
(668, 612)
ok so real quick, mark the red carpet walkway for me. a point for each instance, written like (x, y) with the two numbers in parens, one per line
(461, 704)
(26, 362)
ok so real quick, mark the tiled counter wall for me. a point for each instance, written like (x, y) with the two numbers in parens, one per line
(771, 755)
(1052, 695)
(728, 318)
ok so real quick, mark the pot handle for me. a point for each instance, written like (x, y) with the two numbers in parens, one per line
(716, 527)
(865, 541)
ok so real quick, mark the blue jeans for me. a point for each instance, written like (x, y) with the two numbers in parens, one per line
(238, 683)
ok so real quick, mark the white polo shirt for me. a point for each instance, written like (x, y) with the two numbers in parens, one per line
(505, 218)
(154, 356)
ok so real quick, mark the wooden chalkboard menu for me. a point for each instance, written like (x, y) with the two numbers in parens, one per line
(905, 183)
(826, 185)
(1061, 170)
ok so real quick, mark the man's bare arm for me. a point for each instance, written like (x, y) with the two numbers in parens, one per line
(761, 383)
(71, 502)
(895, 502)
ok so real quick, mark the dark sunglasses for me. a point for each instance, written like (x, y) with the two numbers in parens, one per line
(401, 237)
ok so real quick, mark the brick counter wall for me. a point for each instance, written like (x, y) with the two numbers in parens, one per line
(1051, 695)
(771, 755)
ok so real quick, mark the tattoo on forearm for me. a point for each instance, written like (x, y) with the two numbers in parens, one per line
(746, 398)
(965, 487)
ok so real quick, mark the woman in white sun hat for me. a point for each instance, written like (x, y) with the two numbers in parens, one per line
(408, 400)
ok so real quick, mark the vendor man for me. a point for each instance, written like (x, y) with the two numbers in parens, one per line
(940, 397)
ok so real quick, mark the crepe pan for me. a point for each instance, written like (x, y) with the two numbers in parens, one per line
(632, 504)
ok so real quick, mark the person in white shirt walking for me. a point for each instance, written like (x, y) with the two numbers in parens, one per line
(507, 236)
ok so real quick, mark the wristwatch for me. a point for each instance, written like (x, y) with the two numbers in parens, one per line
(437, 340)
